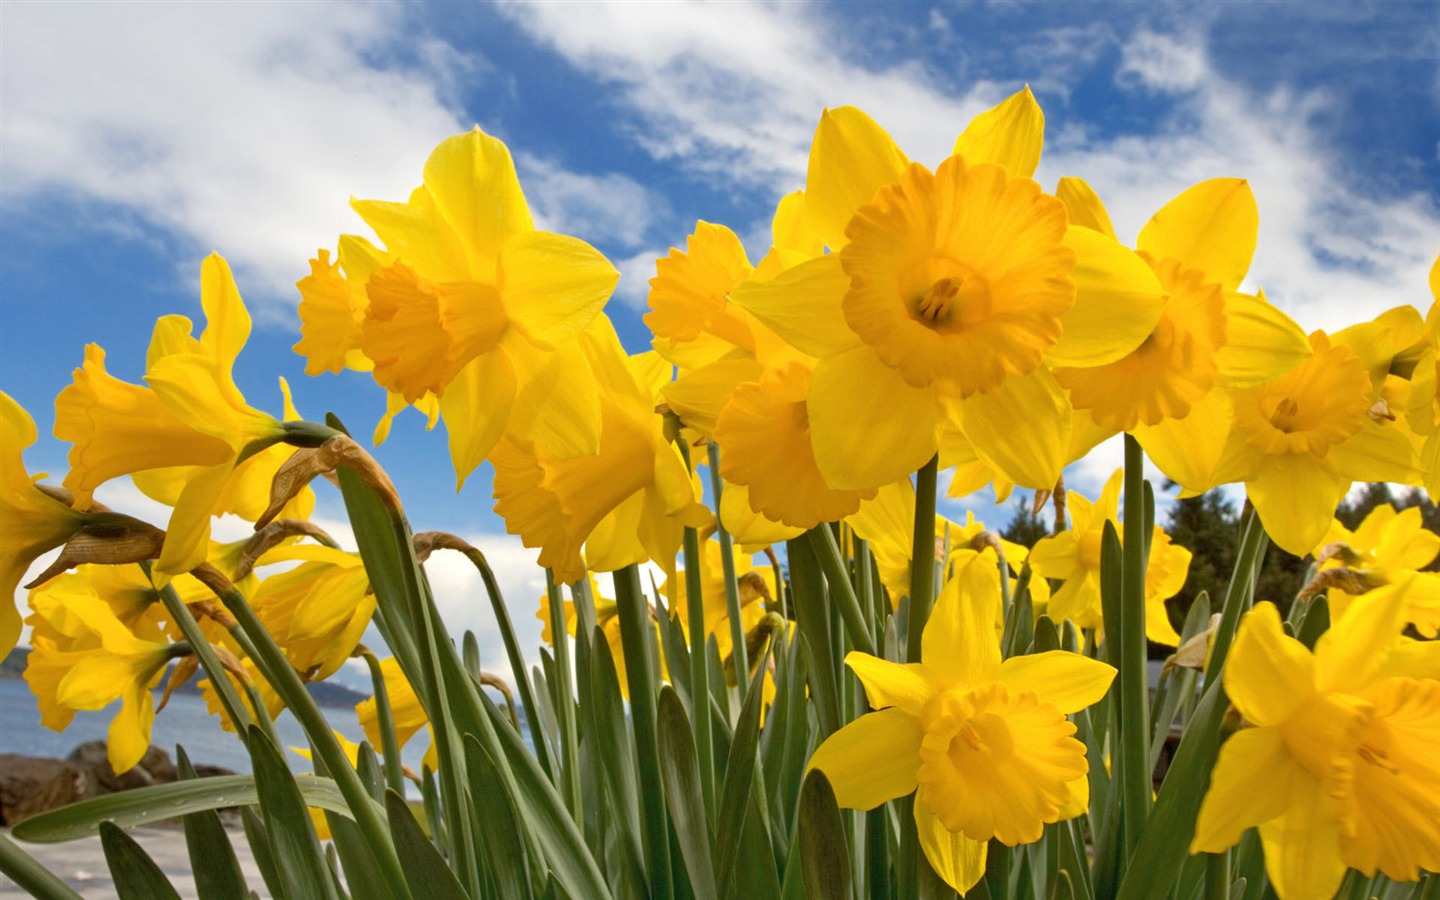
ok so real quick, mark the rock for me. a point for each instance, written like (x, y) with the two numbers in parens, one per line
(154, 767)
(204, 771)
(31, 785)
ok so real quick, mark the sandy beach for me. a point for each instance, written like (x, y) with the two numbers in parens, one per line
(82, 863)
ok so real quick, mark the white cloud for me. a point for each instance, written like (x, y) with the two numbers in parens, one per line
(633, 291)
(1328, 254)
(736, 89)
(610, 207)
(241, 128)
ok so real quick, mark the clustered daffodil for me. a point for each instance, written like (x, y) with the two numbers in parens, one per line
(983, 743)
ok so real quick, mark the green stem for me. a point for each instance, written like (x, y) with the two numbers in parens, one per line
(1217, 876)
(699, 665)
(516, 657)
(1135, 771)
(283, 677)
(865, 590)
(389, 744)
(635, 634)
(842, 592)
(219, 678)
(1239, 593)
(564, 697)
(922, 558)
(740, 653)
(260, 714)
(27, 873)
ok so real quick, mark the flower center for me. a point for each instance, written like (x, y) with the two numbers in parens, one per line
(1284, 415)
(1314, 406)
(952, 302)
(996, 764)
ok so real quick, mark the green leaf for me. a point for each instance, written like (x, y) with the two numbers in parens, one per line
(425, 869)
(681, 778)
(29, 875)
(259, 840)
(608, 739)
(755, 874)
(824, 853)
(292, 835)
(739, 778)
(212, 859)
(142, 806)
(503, 847)
(135, 874)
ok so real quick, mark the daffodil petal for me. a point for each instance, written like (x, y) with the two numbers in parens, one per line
(1011, 134)
(1118, 301)
(1268, 674)
(227, 323)
(557, 405)
(803, 306)
(1084, 206)
(873, 759)
(1261, 342)
(1212, 227)
(698, 396)
(1295, 496)
(1250, 785)
(959, 645)
(902, 685)
(477, 408)
(129, 736)
(1302, 846)
(1377, 452)
(1031, 456)
(471, 179)
(553, 285)
(851, 158)
(957, 859)
(1067, 681)
(1188, 450)
(187, 537)
(868, 426)
(1347, 658)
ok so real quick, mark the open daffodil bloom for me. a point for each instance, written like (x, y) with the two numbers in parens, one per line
(985, 741)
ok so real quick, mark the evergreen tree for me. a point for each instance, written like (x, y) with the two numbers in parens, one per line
(1025, 527)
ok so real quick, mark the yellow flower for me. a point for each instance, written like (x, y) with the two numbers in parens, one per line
(405, 707)
(1300, 440)
(317, 611)
(31, 521)
(1339, 766)
(607, 619)
(83, 657)
(887, 524)
(186, 434)
(949, 295)
(754, 585)
(468, 303)
(269, 698)
(985, 741)
(332, 312)
(1389, 547)
(627, 503)
(1172, 392)
(1073, 557)
(1422, 410)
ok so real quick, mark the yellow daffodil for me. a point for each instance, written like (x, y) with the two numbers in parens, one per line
(31, 521)
(1388, 547)
(948, 296)
(1422, 409)
(1172, 392)
(625, 504)
(405, 707)
(1300, 440)
(887, 524)
(1338, 768)
(1073, 556)
(754, 585)
(607, 619)
(317, 611)
(467, 303)
(83, 657)
(269, 698)
(985, 741)
(191, 437)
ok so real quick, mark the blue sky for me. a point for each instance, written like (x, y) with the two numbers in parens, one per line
(136, 139)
